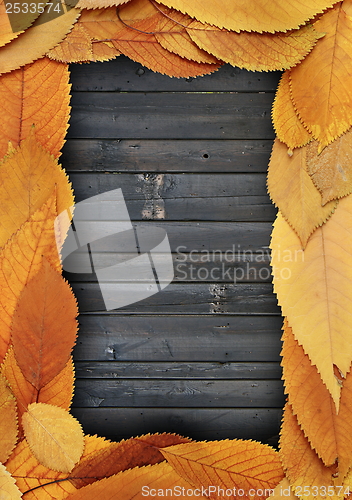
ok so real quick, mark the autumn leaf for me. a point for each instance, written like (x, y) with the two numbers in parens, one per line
(7, 31)
(251, 15)
(8, 488)
(293, 192)
(46, 310)
(255, 51)
(331, 170)
(227, 464)
(287, 124)
(139, 482)
(283, 490)
(330, 434)
(28, 177)
(96, 4)
(54, 436)
(104, 51)
(326, 110)
(21, 259)
(8, 421)
(117, 457)
(314, 292)
(36, 41)
(28, 96)
(302, 465)
(76, 47)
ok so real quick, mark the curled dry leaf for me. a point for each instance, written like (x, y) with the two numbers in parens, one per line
(8, 421)
(293, 192)
(313, 288)
(287, 124)
(54, 436)
(252, 15)
(326, 110)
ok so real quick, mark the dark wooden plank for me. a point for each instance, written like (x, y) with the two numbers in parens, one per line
(184, 393)
(201, 424)
(169, 370)
(183, 338)
(190, 298)
(171, 116)
(99, 155)
(124, 75)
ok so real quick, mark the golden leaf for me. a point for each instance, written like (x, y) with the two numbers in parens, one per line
(97, 4)
(139, 482)
(136, 42)
(252, 15)
(46, 310)
(59, 391)
(104, 51)
(331, 170)
(28, 96)
(28, 177)
(293, 192)
(313, 289)
(7, 31)
(117, 457)
(326, 110)
(54, 436)
(21, 259)
(76, 47)
(31, 475)
(8, 421)
(36, 41)
(329, 434)
(255, 51)
(227, 464)
(287, 124)
(302, 465)
(8, 488)
(283, 490)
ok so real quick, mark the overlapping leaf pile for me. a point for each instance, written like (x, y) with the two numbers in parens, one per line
(43, 451)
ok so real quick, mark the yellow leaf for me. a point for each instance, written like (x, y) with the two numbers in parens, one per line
(255, 51)
(329, 434)
(76, 47)
(158, 480)
(252, 15)
(104, 51)
(27, 97)
(326, 110)
(331, 170)
(8, 421)
(28, 177)
(21, 259)
(293, 192)
(8, 488)
(36, 41)
(96, 4)
(283, 490)
(54, 436)
(314, 290)
(287, 124)
(227, 464)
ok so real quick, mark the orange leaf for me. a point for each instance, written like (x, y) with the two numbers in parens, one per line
(293, 192)
(255, 51)
(331, 170)
(104, 51)
(139, 482)
(28, 96)
(302, 465)
(117, 457)
(227, 464)
(314, 290)
(76, 47)
(283, 490)
(326, 110)
(287, 124)
(8, 421)
(329, 434)
(251, 15)
(21, 259)
(46, 310)
(28, 177)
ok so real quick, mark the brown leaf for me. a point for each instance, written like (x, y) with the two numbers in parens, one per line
(293, 192)
(8, 421)
(117, 457)
(326, 110)
(27, 97)
(331, 170)
(287, 124)
(255, 51)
